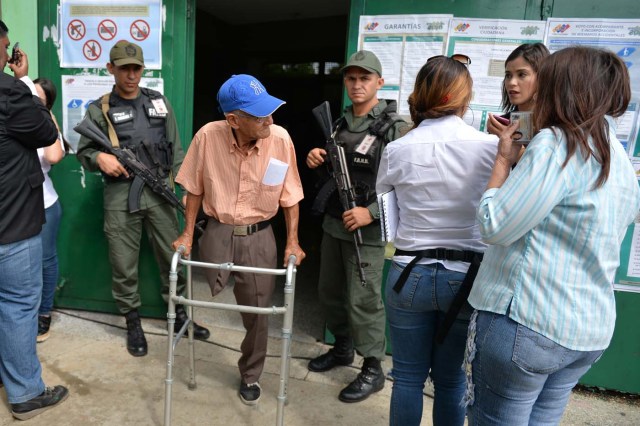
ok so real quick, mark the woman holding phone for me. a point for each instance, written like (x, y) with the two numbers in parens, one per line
(520, 84)
(545, 308)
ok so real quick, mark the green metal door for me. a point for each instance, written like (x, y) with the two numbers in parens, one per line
(85, 273)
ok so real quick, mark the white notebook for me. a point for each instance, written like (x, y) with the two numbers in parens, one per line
(389, 215)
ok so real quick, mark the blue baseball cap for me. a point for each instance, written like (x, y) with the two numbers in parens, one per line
(246, 93)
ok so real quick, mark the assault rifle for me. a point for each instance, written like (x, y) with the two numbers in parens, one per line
(340, 174)
(141, 173)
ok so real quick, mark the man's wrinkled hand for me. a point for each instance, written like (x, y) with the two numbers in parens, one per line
(185, 239)
(293, 248)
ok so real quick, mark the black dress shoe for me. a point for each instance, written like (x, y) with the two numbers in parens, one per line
(369, 380)
(136, 342)
(199, 332)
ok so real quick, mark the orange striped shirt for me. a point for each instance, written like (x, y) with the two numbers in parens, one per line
(232, 182)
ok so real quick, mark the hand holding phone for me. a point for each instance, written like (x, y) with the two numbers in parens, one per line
(15, 54)
(502, 120)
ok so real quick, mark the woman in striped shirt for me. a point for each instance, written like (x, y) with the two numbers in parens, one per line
(545, 309)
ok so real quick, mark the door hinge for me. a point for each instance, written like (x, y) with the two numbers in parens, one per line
(546, 9)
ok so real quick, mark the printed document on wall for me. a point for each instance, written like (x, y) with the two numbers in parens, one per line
(628, 274)
(403, 43)
(488, 42)
(621, 36)
(78, 91)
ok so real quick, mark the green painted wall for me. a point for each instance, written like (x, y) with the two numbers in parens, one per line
(22, 22)
(85, 272)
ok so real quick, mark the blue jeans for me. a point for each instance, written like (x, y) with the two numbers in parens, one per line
(415, 315)
(20, 292)
(50, 257)
(519, 376)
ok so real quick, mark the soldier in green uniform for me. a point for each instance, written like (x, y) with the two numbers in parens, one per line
(142, 120)
(354, 312)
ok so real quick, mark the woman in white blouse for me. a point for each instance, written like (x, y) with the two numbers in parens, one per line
(438, 171)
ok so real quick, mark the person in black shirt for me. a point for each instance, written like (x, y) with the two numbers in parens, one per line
(25, 126)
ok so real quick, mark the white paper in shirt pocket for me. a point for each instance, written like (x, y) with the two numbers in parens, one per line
(276, 171)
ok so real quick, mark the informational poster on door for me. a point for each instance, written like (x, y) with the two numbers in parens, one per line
(89, 28)
(78, 91)
(618, 35)
(403, 43)
(488, 43)
(628, 274)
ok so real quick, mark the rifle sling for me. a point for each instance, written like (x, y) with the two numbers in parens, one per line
(113, 137)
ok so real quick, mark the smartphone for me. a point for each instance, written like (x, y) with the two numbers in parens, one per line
(15, 55)
(525, 126)
(502, 119)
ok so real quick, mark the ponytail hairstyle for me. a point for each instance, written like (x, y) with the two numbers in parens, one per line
(581, 86)
(443, 87)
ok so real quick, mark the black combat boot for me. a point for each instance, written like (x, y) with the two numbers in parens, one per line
(199, 332)
(340, 354)
(369, 380)
(136, 342)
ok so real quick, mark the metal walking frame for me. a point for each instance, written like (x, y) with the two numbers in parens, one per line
(189, 303)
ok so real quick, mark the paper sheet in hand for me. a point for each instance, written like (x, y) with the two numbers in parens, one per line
(276, 171)
(389, 215)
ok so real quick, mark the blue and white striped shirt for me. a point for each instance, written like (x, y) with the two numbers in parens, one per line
(555, 242)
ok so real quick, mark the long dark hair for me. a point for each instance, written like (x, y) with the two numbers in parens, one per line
(50, 94)
(581, 86)
(534, 54)
(443, 87)
(49, 89)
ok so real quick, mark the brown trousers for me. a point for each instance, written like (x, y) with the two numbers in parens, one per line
(219, 245)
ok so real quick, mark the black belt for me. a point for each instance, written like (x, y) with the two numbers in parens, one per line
(244, 230)
(444, 254)
(441, 254)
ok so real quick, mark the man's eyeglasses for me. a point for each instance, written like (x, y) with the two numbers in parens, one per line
(463, 59)
(259, 120)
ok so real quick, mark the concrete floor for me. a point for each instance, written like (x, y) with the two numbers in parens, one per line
(86, 352)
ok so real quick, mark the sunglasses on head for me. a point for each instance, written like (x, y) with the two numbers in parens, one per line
(463, 59)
